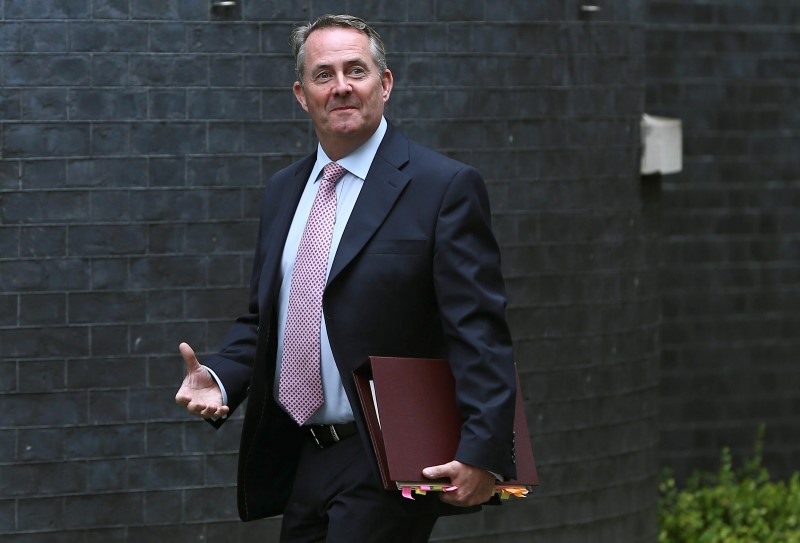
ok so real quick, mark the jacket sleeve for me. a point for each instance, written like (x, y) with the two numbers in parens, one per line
(471, 296)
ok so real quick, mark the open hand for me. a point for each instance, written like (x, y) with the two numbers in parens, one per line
(199, 392)
(475, 485)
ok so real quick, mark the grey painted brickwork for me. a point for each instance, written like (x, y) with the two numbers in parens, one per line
(134, 140)
(731, 71)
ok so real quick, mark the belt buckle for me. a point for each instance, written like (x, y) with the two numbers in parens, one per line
(331, 431)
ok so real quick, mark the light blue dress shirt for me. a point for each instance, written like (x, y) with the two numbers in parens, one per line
(336, 408)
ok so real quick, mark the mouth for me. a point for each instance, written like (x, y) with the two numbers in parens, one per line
(343, 108)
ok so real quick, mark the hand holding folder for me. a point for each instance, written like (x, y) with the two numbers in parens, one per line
(471, 485)
(413, 421)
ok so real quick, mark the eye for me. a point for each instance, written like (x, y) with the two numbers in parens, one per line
(358, 71)
(322, 76)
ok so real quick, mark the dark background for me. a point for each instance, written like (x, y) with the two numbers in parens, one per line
(655, 319)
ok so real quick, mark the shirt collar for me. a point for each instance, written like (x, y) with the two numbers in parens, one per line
(359, 161)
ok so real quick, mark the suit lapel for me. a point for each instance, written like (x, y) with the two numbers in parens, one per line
(383, 185)
(277, 239)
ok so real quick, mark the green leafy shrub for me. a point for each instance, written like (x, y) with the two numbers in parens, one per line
(731, 506)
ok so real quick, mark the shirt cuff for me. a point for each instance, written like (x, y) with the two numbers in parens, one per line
(221, 388)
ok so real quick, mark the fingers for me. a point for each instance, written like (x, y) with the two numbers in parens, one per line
(440, 472)
(473, 485)
(214, 412)
(196, 406)
(189, 358)
(184, 396)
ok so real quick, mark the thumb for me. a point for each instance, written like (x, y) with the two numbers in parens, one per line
(189, 358)
(440, 471)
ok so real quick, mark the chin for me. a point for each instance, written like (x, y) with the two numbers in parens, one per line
(346, 129)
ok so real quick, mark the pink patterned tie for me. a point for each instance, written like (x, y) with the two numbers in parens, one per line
(300, 389)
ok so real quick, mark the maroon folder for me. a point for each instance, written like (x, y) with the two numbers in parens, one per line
(413, 421)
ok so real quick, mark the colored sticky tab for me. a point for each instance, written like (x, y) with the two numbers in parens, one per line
(516, 491)
(504, 492)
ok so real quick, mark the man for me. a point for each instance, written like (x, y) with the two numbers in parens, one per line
(412, 271)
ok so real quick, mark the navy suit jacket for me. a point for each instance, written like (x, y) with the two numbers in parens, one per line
(416, 274)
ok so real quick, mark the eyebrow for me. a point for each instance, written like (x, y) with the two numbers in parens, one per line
(351, 62)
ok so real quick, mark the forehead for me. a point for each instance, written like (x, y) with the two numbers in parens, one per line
(328, 46)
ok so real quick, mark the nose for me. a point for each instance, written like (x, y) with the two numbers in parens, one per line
(341, 85)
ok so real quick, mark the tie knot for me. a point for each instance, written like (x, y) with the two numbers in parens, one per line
(332, 172)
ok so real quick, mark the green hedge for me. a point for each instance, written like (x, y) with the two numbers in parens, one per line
(732, 506)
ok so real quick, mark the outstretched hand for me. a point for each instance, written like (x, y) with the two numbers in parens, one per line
(475, 485)
(199, 392)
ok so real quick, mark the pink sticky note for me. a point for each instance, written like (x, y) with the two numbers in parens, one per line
(407, 493)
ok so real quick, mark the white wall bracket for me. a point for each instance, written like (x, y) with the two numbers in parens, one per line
(662, 145)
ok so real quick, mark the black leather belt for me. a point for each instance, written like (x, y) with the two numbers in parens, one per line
(325, 435)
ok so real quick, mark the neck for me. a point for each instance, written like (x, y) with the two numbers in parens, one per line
(340, 148)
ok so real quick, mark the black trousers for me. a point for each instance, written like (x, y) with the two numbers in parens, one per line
(336, 499)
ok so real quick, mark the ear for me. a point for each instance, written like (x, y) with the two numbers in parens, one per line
(387, 82)
(300, 95)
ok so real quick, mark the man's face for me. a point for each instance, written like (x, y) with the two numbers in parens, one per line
(343, 90)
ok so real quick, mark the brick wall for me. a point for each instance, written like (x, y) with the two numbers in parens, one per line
(731, 337)
(135, 137)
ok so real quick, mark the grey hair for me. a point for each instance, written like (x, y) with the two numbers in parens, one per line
(300, 35)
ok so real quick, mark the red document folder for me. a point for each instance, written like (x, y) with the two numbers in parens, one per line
(413, 421)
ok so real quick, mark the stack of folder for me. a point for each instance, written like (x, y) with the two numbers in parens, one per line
(413, 422)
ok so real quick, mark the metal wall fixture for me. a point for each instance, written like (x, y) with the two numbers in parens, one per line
(222, 4)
